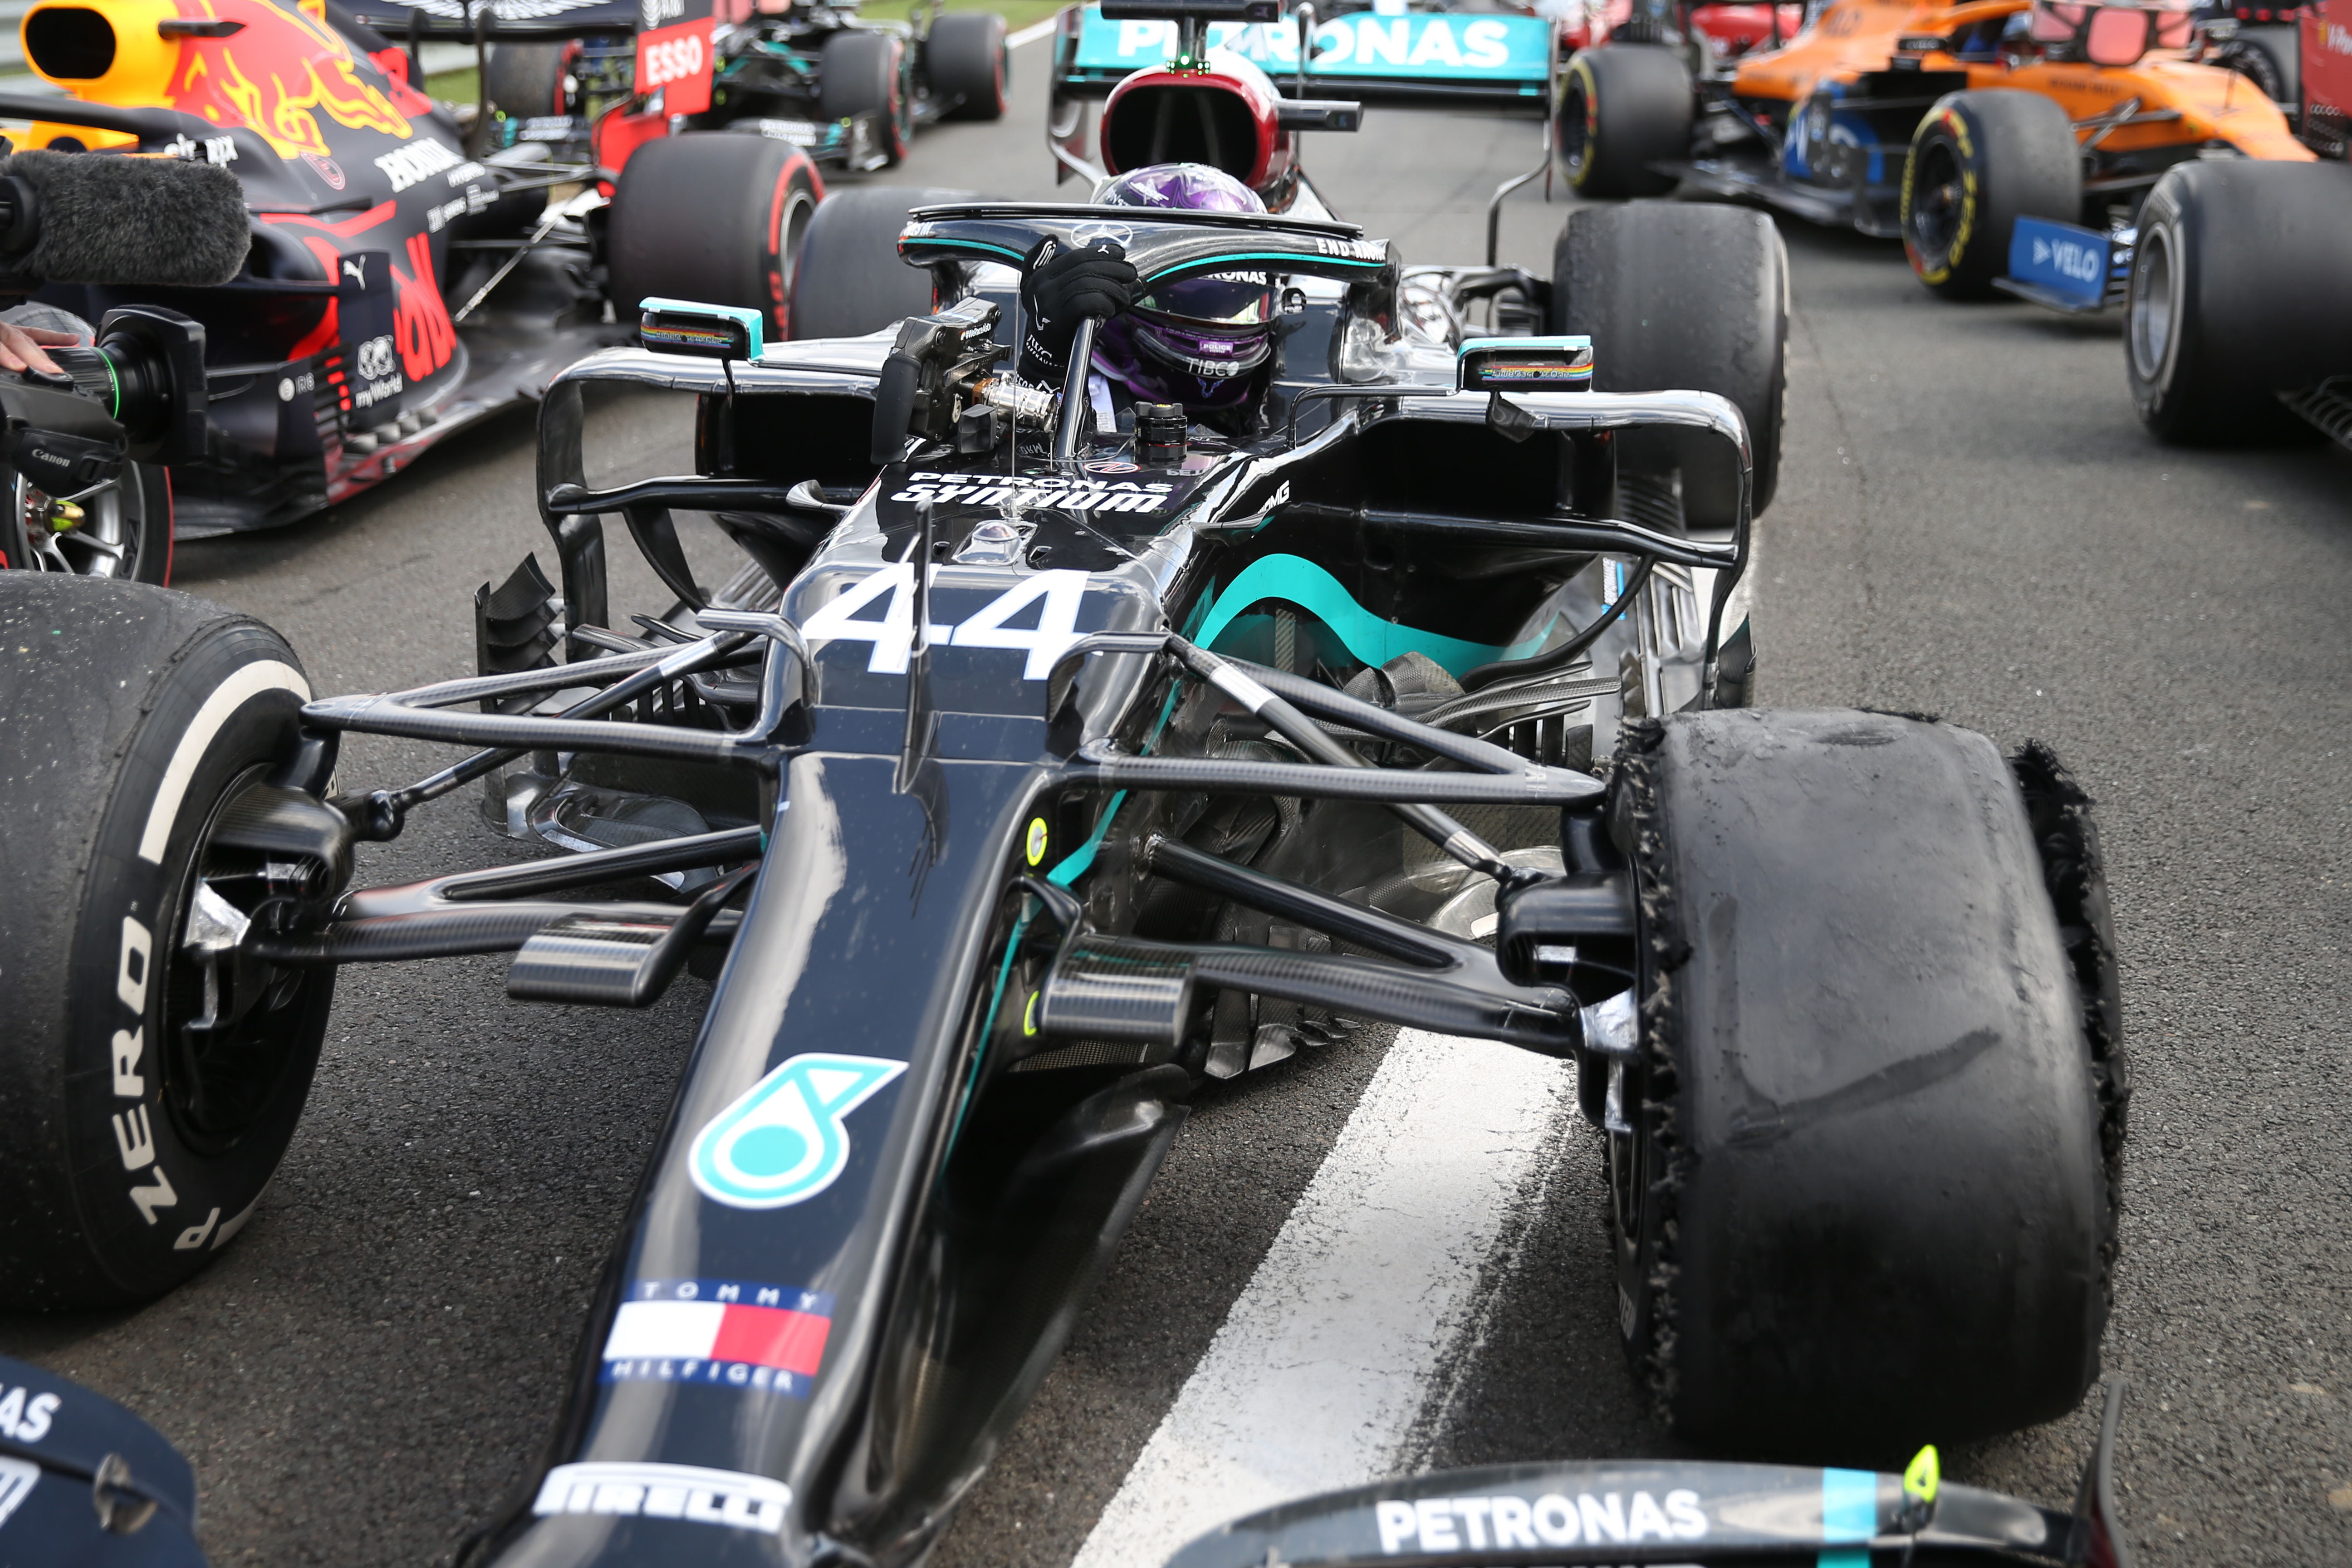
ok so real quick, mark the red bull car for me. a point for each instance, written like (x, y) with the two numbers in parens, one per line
(406, 277)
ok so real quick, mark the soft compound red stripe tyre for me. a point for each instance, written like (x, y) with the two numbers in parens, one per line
(966, 63)
(134, 1141)
(1865, 1202)
(866, 72)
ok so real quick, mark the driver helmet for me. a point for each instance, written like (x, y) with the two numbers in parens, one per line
(1200, 341)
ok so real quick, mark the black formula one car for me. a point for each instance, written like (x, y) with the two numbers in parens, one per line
(848, 91)
(1023, 774)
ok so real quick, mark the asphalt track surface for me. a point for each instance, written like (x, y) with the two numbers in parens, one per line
(1969, 523)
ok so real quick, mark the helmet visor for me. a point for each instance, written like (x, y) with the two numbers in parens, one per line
(1229, 299)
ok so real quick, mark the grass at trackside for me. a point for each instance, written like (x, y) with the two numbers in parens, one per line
(1017, 14)
(454, 86)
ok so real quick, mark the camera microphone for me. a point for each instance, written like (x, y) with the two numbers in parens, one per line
(95, 218)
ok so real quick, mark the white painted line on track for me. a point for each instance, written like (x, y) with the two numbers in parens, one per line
(1329, 1355)
(1030, 33)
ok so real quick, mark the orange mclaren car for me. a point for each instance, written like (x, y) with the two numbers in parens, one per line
(1942, 123)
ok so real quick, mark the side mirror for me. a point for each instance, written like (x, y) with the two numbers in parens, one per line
(1317, 114)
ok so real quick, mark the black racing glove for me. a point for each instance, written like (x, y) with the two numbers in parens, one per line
(1061, 286)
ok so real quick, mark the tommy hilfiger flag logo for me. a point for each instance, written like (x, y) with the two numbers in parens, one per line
(732, 1333)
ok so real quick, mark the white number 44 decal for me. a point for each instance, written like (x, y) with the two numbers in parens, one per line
(893, 636)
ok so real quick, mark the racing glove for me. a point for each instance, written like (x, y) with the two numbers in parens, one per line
(1062, 285)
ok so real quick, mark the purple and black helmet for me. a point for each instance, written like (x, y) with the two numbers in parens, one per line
(1198, 342)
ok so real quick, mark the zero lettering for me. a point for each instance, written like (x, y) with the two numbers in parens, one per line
(128, 1083)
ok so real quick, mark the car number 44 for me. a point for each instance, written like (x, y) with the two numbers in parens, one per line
(893, 636)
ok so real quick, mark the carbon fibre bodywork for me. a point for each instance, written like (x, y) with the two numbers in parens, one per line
(998, 925)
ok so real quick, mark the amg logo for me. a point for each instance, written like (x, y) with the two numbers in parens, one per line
(418, 161)
(652, 1490)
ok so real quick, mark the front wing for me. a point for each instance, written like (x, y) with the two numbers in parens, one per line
(1680, 1511)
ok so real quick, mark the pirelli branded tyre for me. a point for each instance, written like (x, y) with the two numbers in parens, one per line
(861, 72)
(967, 64)
(1865, 1197)
(1980, 161)
(714, 215)
(1624, 107)
(2237, 295)
(1684, 295)
(151, 1075)
(850, 281)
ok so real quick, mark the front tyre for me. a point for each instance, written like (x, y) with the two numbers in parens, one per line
(150, 1074)
(526, 79)
(862, 72)
(1684, 295)
(1980, 161)
(1865, 1196)
(967, 64)
(715, 216)
(850, 280)
(1624, 107)
(2236, 296)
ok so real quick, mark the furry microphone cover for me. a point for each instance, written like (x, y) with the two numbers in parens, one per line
(106, 218)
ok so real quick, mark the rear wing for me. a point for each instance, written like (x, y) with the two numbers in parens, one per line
(1500, 62)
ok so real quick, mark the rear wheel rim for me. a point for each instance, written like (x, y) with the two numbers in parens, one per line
(104, 543)
(231, 1027)
(1938, 200)
(2155, 306)
(1576, 134)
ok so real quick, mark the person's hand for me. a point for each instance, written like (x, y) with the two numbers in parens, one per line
(1062, 287)
(21, 348)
